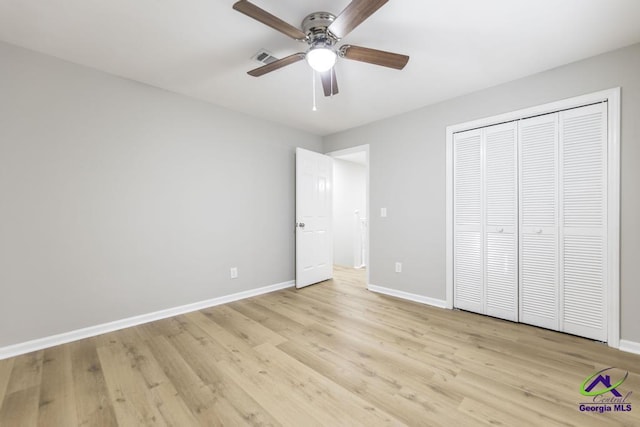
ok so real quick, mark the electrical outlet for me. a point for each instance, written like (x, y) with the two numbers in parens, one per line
(234, 272)
(383, 212)
(398, 267)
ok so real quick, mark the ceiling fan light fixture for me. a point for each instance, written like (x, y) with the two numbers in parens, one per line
(321, 59)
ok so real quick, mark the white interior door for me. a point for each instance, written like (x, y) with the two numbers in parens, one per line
(485, 221)
(314, 214)
(501, 218)
(583, 221)
(539, 288)
(468, 265)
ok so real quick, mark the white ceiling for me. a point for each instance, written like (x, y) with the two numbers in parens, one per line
(202, 48)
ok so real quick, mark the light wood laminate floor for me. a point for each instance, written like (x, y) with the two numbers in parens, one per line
(333, 354)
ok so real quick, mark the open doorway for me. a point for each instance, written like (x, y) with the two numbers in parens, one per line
(351, 207)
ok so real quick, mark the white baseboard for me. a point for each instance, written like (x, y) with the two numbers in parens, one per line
(91, 331)
(630, 346)
(408, 296)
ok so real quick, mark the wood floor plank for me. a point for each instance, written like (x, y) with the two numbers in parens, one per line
(266, 317)
(240, 325)
(57, 399)
(164, 395)
(261, 380)
(92, 401)
(204, 329)
(391, 396)
(20, 408)
(133, 402)
(329, 354)
(376, 339)
(26, 372)
(371, 359)
(203, 399)
(484, 414)
(534, 407)
(322, 393)
(196, 347)
(6, 366)
(281, 302)
(248, 372)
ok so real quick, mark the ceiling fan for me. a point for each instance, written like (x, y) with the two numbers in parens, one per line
(321, 31)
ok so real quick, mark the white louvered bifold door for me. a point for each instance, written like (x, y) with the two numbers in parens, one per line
(538, 173)
(468, 269)
(501, 216)
(583, 221)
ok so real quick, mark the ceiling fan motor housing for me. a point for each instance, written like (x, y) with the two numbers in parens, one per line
(315, 27)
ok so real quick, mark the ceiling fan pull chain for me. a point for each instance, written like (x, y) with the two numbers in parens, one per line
(313, 88)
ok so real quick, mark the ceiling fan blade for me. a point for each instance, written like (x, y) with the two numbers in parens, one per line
(374, 56)
(329, 82)
(253, 11)
(353, 15)
(276, 65)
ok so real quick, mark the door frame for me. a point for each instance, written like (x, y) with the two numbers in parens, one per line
(351, 150)
(612, 97)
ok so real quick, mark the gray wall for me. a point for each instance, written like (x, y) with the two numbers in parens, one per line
(349, 195)
(407, 173)
(119, 199)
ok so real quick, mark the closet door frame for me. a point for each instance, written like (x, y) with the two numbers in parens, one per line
(612, 97)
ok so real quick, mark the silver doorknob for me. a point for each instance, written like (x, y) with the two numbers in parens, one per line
(301, 224)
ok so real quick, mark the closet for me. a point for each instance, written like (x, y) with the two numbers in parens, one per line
(530, 220)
